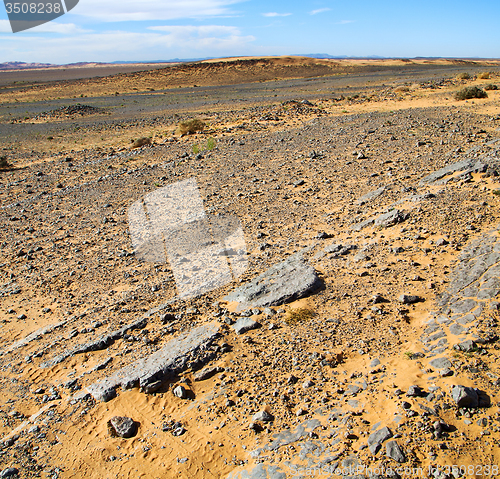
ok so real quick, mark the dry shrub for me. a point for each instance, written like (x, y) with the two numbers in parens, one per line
(299, 315)
(491, 86)
(4, 163)
(484, 76)
(470, 92)
(190, 126)
(141, 142)
(402, 89)
(463, 76)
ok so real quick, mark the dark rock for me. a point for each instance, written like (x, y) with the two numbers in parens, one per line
(465, 396)
(376, 438)
(121, 426)
(414, 391)
(409, 299)
(9, 472)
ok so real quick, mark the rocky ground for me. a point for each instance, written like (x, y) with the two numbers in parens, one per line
(361, 339)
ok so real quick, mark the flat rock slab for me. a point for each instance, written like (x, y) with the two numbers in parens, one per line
(372, 195)
(284, 282)
(190, 349)
(245, 324)
(375, 439)
(470, 165)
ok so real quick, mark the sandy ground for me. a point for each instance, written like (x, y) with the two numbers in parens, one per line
(289, 170)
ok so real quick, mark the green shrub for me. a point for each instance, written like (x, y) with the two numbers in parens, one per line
(211, 143)
(196, 149)
(190, 126)
(470, 92)
(463, 76)
(491, 86)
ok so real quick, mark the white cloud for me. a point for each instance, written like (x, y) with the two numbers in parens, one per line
(132, 10)
(63, 28)
(274, 14)
(5, 26)
(164, 43)
(319, 10)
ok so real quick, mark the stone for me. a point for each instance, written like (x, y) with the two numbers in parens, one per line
(390, 218)
(9, 472)
(122, 426)
(441, 363)
(375, 439)
(409, 299)
(282, 283)
(207, 373)
(180, 392)
(245, 324)
(470, 165)
(372, 195)
(262, 416)
(414, 391)
(465, 396)
(466, 346)
(393, 451)
(191, 349)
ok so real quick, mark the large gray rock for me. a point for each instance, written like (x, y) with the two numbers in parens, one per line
(465, 396)
(390, 218)
(468, 166)
(394, 452)
(375, 439)
(284, 282)
(189, 350)
(245, 324)
(372, 195)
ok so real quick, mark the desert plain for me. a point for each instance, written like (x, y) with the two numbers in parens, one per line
(360, 341)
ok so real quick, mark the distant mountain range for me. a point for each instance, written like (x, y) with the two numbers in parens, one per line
(28, 66)
(31, 66)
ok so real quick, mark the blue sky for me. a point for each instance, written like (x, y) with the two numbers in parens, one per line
(110, 30)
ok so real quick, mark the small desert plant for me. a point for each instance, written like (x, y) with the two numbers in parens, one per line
(470, 92)
(190, 126)
(484, 76)
(4, 163)
(141, 142)
(491, 86)
(402, 89)
(463, 76)
(211, 144)
(299, 316)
